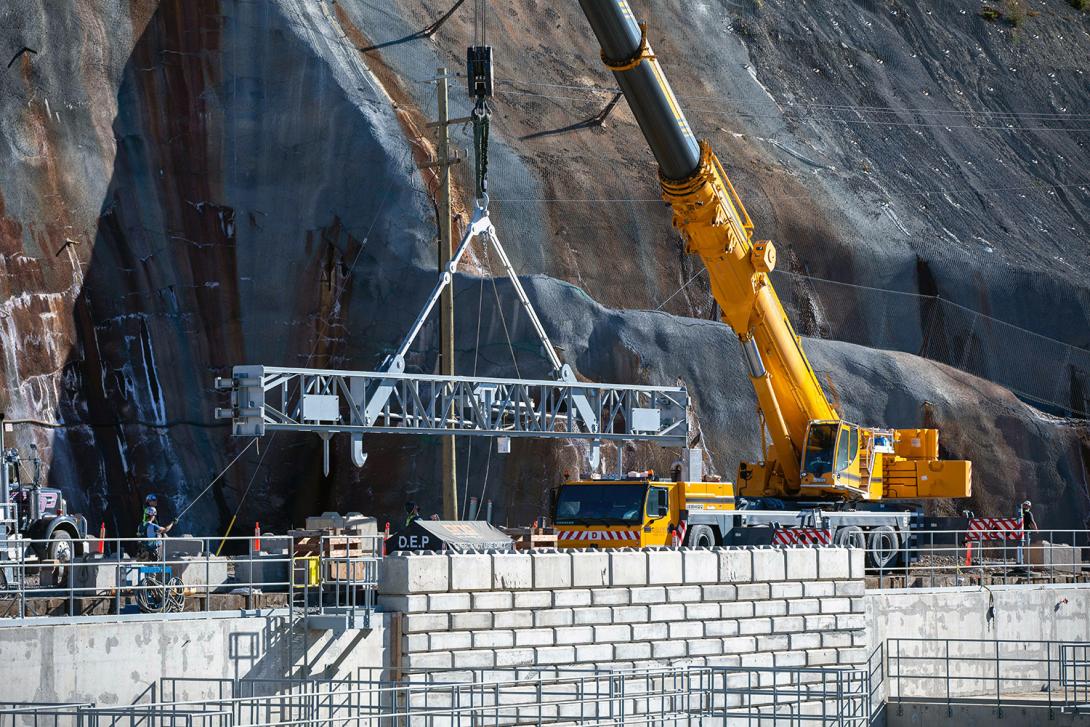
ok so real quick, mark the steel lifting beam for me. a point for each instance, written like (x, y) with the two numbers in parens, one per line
(267, 399)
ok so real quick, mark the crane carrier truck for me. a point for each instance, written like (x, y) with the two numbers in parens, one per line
(837, 480)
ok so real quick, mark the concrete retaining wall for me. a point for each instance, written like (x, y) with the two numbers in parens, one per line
(723, 606)
(111, 662)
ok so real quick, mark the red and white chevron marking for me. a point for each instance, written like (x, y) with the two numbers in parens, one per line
(995, 528)
(802, 536)
(632, 536)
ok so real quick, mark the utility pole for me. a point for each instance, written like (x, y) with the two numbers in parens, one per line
(446, 303)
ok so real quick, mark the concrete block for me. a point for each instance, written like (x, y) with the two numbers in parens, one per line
(819, 623)
(701, 611)
(592, 615)
(851, 657)
(859, 638)
(700, 565)
(831, 639)
(593, 653)
(685, 594)
(554, 654)
(476, 659)
(664, 567)
(262, 569)
(450, 640)
(818, 589)
(753, 592)
(788, 658)
(770, 608)
(849, 589)
(513, 619)
(491, 601)
(552, 570)
(859, 605)
(412, 573)
(632, 651)
(857, 563)
(735, 565)
(739, 645)
(553, 617)
(619, 632)
(685, 629)
(572, 598)
(718, 592)
(404, 604)
(805, 640)
(533, 599)
(785, 589)
(668, 649)
(534, 637)
(414, 642)
(723, 627)
(414, 623)
(705, 647)
(512, 571)
(470, 571)
(738, 609)
(209, 574)
(851, 621)
(768, 563)
(493, 639)
(610, 597)
(754, 660)
(628, 567)
(836, 605)
(573, 635)
(471, 620)
(788, 624)
(630, 614)
(449, 602)
(752, 626)
(648, 595)
(803, 606)
(428, 660)
(728, 660)
(647, 632)
(590, 569)
(833, 563)
(821, 657)
(773, 642)
(801, 564)
(514, 657)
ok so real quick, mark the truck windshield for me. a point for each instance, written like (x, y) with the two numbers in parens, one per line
(600, 504)
(819, 449)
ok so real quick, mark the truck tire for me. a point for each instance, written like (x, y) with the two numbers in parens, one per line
(883, 547)
(850, 536)
(62, 551)
(701, 536)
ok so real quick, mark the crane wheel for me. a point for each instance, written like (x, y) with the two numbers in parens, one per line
(701, 536)
(883, 547)
(851, 536)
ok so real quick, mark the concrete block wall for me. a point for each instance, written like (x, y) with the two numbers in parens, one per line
(723, 606)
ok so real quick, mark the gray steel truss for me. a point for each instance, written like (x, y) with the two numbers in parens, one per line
(326, 402)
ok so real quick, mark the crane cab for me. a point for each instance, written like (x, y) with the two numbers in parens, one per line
(632, 512)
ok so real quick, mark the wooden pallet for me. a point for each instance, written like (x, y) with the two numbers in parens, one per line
(531, 538)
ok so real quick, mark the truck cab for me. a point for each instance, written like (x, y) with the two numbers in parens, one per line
(634, 512)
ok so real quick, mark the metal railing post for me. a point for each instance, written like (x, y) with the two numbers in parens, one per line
(998, 702)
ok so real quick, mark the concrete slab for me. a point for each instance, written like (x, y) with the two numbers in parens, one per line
(512, 571)
(590, 569)
(628, 567)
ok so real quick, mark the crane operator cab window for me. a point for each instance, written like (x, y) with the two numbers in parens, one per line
(820, 447)
(830, 447)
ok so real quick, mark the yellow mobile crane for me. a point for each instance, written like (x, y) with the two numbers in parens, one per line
(816, 456)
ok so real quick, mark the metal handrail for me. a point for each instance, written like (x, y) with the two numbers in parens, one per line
(1051, 666)
(132, 577)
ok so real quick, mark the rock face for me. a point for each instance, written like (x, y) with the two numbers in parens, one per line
(190, 184)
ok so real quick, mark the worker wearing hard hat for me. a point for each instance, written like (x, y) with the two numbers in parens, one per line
(152, 532)
(1029, 523)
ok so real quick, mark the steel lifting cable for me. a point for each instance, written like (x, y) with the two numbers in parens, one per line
(214, 480)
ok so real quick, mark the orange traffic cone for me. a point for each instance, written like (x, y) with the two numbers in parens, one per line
(102, 539)
(968, 553)
(257, 537)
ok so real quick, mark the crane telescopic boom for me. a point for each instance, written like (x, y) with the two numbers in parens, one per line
(814, 452)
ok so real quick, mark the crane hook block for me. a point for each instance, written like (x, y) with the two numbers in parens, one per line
(763, 256)
(479, 71)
